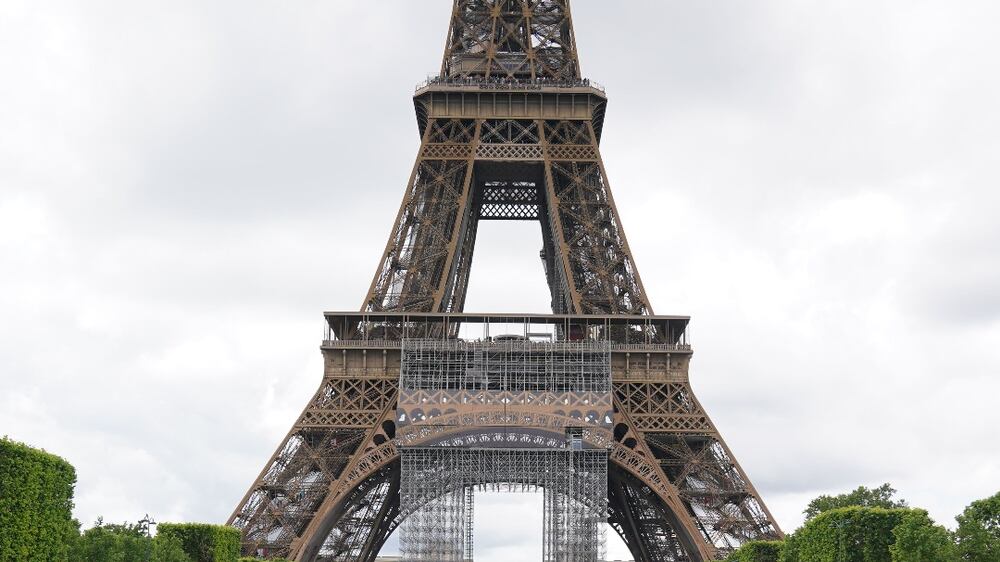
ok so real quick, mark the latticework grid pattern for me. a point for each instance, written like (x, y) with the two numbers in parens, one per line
(516, 366)
(435, 498)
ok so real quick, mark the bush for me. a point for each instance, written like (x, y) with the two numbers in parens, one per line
(757, 551)
(36, 503)
(204, 543)
(252, 559)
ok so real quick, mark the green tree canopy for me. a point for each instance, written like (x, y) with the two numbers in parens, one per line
(978, 533)
(883, 497)
(918, 539)
(870, 534)
(125, 542)
(848, 534)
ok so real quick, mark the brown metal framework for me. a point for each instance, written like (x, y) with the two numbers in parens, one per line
(510, 131)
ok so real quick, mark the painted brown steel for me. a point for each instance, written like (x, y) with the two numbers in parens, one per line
(653, 398)
(511, 123)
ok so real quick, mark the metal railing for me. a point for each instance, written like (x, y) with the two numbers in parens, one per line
(506, 83)
(397, 344)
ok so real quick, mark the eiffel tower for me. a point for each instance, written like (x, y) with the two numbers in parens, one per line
(422, 404)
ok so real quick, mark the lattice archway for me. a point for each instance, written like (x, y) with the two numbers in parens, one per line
(349, 534)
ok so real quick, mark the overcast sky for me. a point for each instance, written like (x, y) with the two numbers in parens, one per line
(185, 186)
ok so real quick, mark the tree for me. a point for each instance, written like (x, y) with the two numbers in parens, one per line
(918, 539)
(862, 497)
(978, 534)
(125, 543)
(848, 534)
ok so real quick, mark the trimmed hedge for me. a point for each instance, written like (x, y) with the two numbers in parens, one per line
(758, 551)
(36, 504)
(204, 543)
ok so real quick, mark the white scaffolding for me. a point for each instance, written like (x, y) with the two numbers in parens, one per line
(513, 365)
(441, 529)
(437, 485)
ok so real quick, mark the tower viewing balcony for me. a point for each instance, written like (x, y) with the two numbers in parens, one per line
(652, 348)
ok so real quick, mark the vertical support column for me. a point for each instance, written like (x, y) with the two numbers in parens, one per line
(436, 504)
(470, 518)
(575, 507)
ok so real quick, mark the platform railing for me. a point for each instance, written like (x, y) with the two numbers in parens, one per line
(397, 344)
(505, 83)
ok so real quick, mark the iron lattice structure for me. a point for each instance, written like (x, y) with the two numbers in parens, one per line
(512, 414)
(511, 39)
(509, 131)
(439, 483)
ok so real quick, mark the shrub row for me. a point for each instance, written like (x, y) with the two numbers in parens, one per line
(204, 543)
(36, 503)
(758, 551)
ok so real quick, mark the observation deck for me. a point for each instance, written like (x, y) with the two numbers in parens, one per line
(642, 348)
(475, 97)
(477, 83)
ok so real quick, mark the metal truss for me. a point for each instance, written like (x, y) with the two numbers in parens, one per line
(342, 417)
(436, 498)
(509, 131)
(726, 507)
(511, 39)
(639, 518)
(510, 201)
(513, 169)
(367, 518)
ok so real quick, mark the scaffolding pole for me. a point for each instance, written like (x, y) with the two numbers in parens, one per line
(436, 498)
(514, 366)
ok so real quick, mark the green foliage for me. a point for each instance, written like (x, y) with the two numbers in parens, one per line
(36, 503)
(205, 543)
(252, 559)
(918, 539)
(125, 543)
(168, 549)
(862, 497)
(758, 551)
(851, 534)
(978, 534)
(870, 534)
